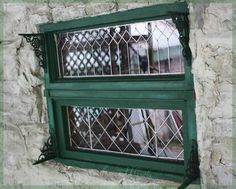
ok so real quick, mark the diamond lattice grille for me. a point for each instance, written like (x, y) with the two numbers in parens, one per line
(147, 48)
(140, 132)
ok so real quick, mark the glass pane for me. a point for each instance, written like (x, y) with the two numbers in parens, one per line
(146, 48)
(142, 132)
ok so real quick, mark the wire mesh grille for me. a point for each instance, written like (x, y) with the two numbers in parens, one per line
(141, 132)
(147, 48)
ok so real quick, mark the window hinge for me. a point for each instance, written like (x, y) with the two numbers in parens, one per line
(192, 171)
(37, 42)
(48, 151)
(181, 22)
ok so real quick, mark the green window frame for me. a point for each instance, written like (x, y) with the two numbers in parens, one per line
(158, 91)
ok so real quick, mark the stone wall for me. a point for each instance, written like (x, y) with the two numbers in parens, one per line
(211, 42)
(25, 116)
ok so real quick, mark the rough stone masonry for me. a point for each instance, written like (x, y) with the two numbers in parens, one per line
(25, 115)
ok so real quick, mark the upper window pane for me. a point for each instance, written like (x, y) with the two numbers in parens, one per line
(146, 48)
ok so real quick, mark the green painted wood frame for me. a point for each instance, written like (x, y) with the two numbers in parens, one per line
(161, 92)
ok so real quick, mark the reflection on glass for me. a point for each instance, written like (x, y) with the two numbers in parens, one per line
(143, 132)
(147, 48)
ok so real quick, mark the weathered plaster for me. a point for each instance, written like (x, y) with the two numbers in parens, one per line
(211, 44)
(25, 117)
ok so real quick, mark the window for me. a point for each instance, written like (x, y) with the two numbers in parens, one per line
(120, 92)
(144, 48)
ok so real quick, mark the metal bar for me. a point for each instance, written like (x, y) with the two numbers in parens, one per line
(175, 124)
(68, 122)
(128, 59)
(155, 133)
(101, 62)
(118, 58)
(150, 49)
(169, 71)
(90, 133)
(59, 66)
(158, 59)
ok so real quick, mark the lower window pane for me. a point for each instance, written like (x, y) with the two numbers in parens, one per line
(142, 132)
